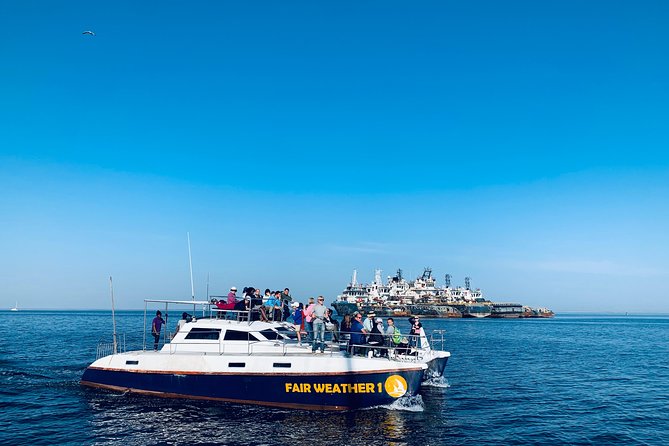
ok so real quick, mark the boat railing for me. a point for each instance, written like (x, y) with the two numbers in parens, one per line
(438, 339)
(411, 348)
(106, 348)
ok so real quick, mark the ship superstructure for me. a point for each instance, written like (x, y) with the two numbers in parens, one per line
(422, 296)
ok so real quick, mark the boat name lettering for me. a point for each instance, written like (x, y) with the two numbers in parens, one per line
(334, 388)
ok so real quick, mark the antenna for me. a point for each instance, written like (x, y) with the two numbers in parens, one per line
(111, 290)
(190, 263)
(468, 281)
(447, 279)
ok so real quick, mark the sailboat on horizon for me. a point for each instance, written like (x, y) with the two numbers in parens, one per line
(16, 307)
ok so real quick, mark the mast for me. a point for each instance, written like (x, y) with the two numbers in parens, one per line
(111, 290)
(190, 263)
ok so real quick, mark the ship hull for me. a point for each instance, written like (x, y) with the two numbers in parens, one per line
(316, 391)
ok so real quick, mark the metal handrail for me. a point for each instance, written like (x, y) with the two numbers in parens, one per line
(105, 348)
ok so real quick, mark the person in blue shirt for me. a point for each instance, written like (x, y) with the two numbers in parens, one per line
(358, 333)
(297, 321)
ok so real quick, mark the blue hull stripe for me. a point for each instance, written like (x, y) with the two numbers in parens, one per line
(312, 391)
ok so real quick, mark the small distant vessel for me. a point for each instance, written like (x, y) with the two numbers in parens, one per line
(253, 362)
(16, 307)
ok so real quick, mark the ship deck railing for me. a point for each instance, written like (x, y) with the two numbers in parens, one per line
(106, 348)
(206, 309)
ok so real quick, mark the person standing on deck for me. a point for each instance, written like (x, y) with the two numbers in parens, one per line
(297, 321)
(309, 323)
(318, 316)
(156, 326)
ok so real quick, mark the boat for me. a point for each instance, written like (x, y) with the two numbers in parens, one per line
(16, 307)
(422, 296)
(241, 360)
(507, 310)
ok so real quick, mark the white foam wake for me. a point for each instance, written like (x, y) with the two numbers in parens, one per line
(406, 403)
(437, 381)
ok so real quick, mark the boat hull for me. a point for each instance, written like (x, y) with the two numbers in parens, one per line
(320, 391)
(436, 365)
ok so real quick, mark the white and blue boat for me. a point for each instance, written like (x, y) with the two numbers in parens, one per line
(243, 361)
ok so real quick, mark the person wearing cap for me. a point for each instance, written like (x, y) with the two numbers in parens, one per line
(318, 316)
(298, 321)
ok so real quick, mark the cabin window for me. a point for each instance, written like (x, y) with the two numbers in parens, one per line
(211, 334)
(236, 364)
(132, 363)
(234, 335)
(285, 365)
(271, 334)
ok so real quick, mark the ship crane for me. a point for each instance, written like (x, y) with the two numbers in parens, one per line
(427, 273)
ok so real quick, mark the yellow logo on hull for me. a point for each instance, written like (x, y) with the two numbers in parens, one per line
(396, 386)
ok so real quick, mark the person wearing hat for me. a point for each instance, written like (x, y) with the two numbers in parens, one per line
(298, 321)
(232, 296)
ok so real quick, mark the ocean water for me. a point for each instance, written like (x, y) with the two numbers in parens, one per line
(569, 380)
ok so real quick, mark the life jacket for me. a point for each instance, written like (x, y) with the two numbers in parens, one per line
(397, 336)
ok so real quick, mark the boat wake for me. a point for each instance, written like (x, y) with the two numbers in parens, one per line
(437, 381)
(406, 403)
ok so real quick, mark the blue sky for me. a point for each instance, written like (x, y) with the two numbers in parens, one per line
(523, 144)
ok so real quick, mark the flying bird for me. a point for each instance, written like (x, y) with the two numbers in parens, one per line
(89, 32)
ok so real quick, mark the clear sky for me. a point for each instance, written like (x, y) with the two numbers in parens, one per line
(522, 143)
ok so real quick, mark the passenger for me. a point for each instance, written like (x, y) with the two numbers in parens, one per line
(369, 322)
(309, 325)
(244, 308)
(257, 298)
(331, 325)
(286, 300)
(395, 338)
(376, 338)
(257, 307)
(156, 326)
(271, 305)
(358, 333)
(232, 296)
(414, 333)
(185, 317)
(318, 316)
(297, 321)
(278, 306)
(345, 328)
(285, 296)
(265, 300)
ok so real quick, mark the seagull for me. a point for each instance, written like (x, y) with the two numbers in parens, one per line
(89, 32)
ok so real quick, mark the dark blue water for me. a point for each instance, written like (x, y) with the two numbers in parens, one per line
(568, 380)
